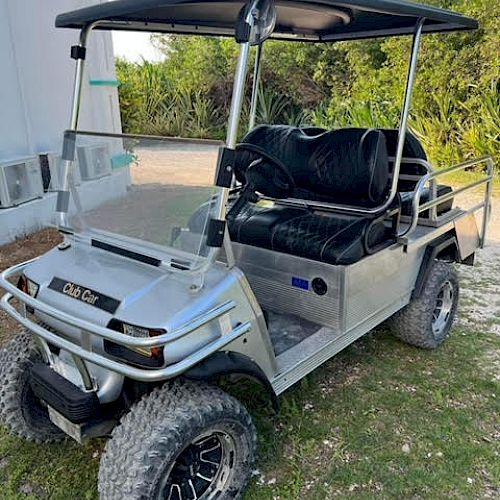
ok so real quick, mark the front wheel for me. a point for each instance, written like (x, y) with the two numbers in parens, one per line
(20, 410)
(182, 441)
(426, 321)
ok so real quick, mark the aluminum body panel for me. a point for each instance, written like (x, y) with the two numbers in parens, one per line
(354, 291)
(271, 276)
(379, 280)
(305, 357)
(467, 235)
(359, 297)
(151, 297)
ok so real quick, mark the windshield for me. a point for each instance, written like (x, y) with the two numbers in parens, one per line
(154, 196)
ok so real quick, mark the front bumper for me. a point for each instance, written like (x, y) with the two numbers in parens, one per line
(60, 394)
(84, 350)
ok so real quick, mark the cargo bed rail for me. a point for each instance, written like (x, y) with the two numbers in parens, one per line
(431, 205)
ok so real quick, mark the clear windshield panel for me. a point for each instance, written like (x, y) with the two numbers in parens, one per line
(149, 195)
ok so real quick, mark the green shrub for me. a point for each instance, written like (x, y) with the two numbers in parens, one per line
(455, 110)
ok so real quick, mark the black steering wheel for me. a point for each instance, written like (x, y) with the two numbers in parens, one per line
(276, 182)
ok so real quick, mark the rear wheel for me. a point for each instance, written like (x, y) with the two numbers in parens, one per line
(426, 321)
(20, 410)
(182, 441)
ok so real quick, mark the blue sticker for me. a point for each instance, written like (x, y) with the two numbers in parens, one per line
(300, 283)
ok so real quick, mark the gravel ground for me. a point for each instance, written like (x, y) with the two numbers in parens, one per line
(480, 285)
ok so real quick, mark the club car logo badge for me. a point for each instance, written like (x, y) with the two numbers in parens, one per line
(76, 292)
(83, 294)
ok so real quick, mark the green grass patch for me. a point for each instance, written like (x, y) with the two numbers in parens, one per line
(381, 419)
(388, 420)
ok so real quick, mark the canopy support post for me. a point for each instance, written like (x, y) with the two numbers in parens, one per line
(234, 121)
(255, 86)
(63, 207)
(403, 124)
(237, 97)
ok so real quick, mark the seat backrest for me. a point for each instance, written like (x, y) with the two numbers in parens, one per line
(350, 166)
(412, 147)
(347, 166)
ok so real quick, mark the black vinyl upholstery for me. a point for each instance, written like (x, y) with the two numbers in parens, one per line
(347, 166)
(333, 238)
(425, 197)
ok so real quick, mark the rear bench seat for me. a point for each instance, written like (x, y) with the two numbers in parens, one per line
(348, 166)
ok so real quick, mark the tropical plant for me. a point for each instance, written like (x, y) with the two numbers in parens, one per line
(456, 105)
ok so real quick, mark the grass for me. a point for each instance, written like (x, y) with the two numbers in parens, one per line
(381, 419)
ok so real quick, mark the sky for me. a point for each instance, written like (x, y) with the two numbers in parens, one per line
(135, 46)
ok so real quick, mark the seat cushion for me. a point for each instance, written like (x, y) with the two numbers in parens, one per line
(253, 225)
(330, 238)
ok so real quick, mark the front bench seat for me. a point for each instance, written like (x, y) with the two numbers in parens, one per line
(331, 238)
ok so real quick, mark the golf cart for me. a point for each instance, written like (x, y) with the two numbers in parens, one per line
(306, 240)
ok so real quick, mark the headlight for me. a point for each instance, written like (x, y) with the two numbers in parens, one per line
(27, 286)
(32, 288)
(144, 333)
(135, 331)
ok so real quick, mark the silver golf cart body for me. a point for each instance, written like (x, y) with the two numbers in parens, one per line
(206, 307)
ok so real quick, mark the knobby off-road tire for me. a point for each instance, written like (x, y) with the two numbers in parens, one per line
(426, 321)
(20, 410)
(171, 435)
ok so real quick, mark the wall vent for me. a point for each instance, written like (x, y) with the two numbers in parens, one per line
(94, 161)
(52, 167)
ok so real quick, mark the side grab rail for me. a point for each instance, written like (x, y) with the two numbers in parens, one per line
(105, 333)
(417, 208)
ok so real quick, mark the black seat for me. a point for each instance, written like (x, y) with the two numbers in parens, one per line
(446, 206)
(347, 166)
(332, 238)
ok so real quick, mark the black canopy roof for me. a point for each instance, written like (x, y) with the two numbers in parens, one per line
(316, 20)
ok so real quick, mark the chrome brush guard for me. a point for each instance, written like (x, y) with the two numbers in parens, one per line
(84, 350)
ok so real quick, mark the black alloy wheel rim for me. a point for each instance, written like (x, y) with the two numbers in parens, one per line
(202, 469)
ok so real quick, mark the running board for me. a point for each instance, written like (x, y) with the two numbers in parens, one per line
(295, 363)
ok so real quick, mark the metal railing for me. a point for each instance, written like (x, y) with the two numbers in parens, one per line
(85, 352)
(333, 207)
(432, 204)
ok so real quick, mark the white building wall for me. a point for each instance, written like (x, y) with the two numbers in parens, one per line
(37, 78)
(36, 88)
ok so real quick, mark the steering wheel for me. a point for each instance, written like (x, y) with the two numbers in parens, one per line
(280, 184)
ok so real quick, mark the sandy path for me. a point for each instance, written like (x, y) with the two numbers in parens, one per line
(480, 285)
(176, 165)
